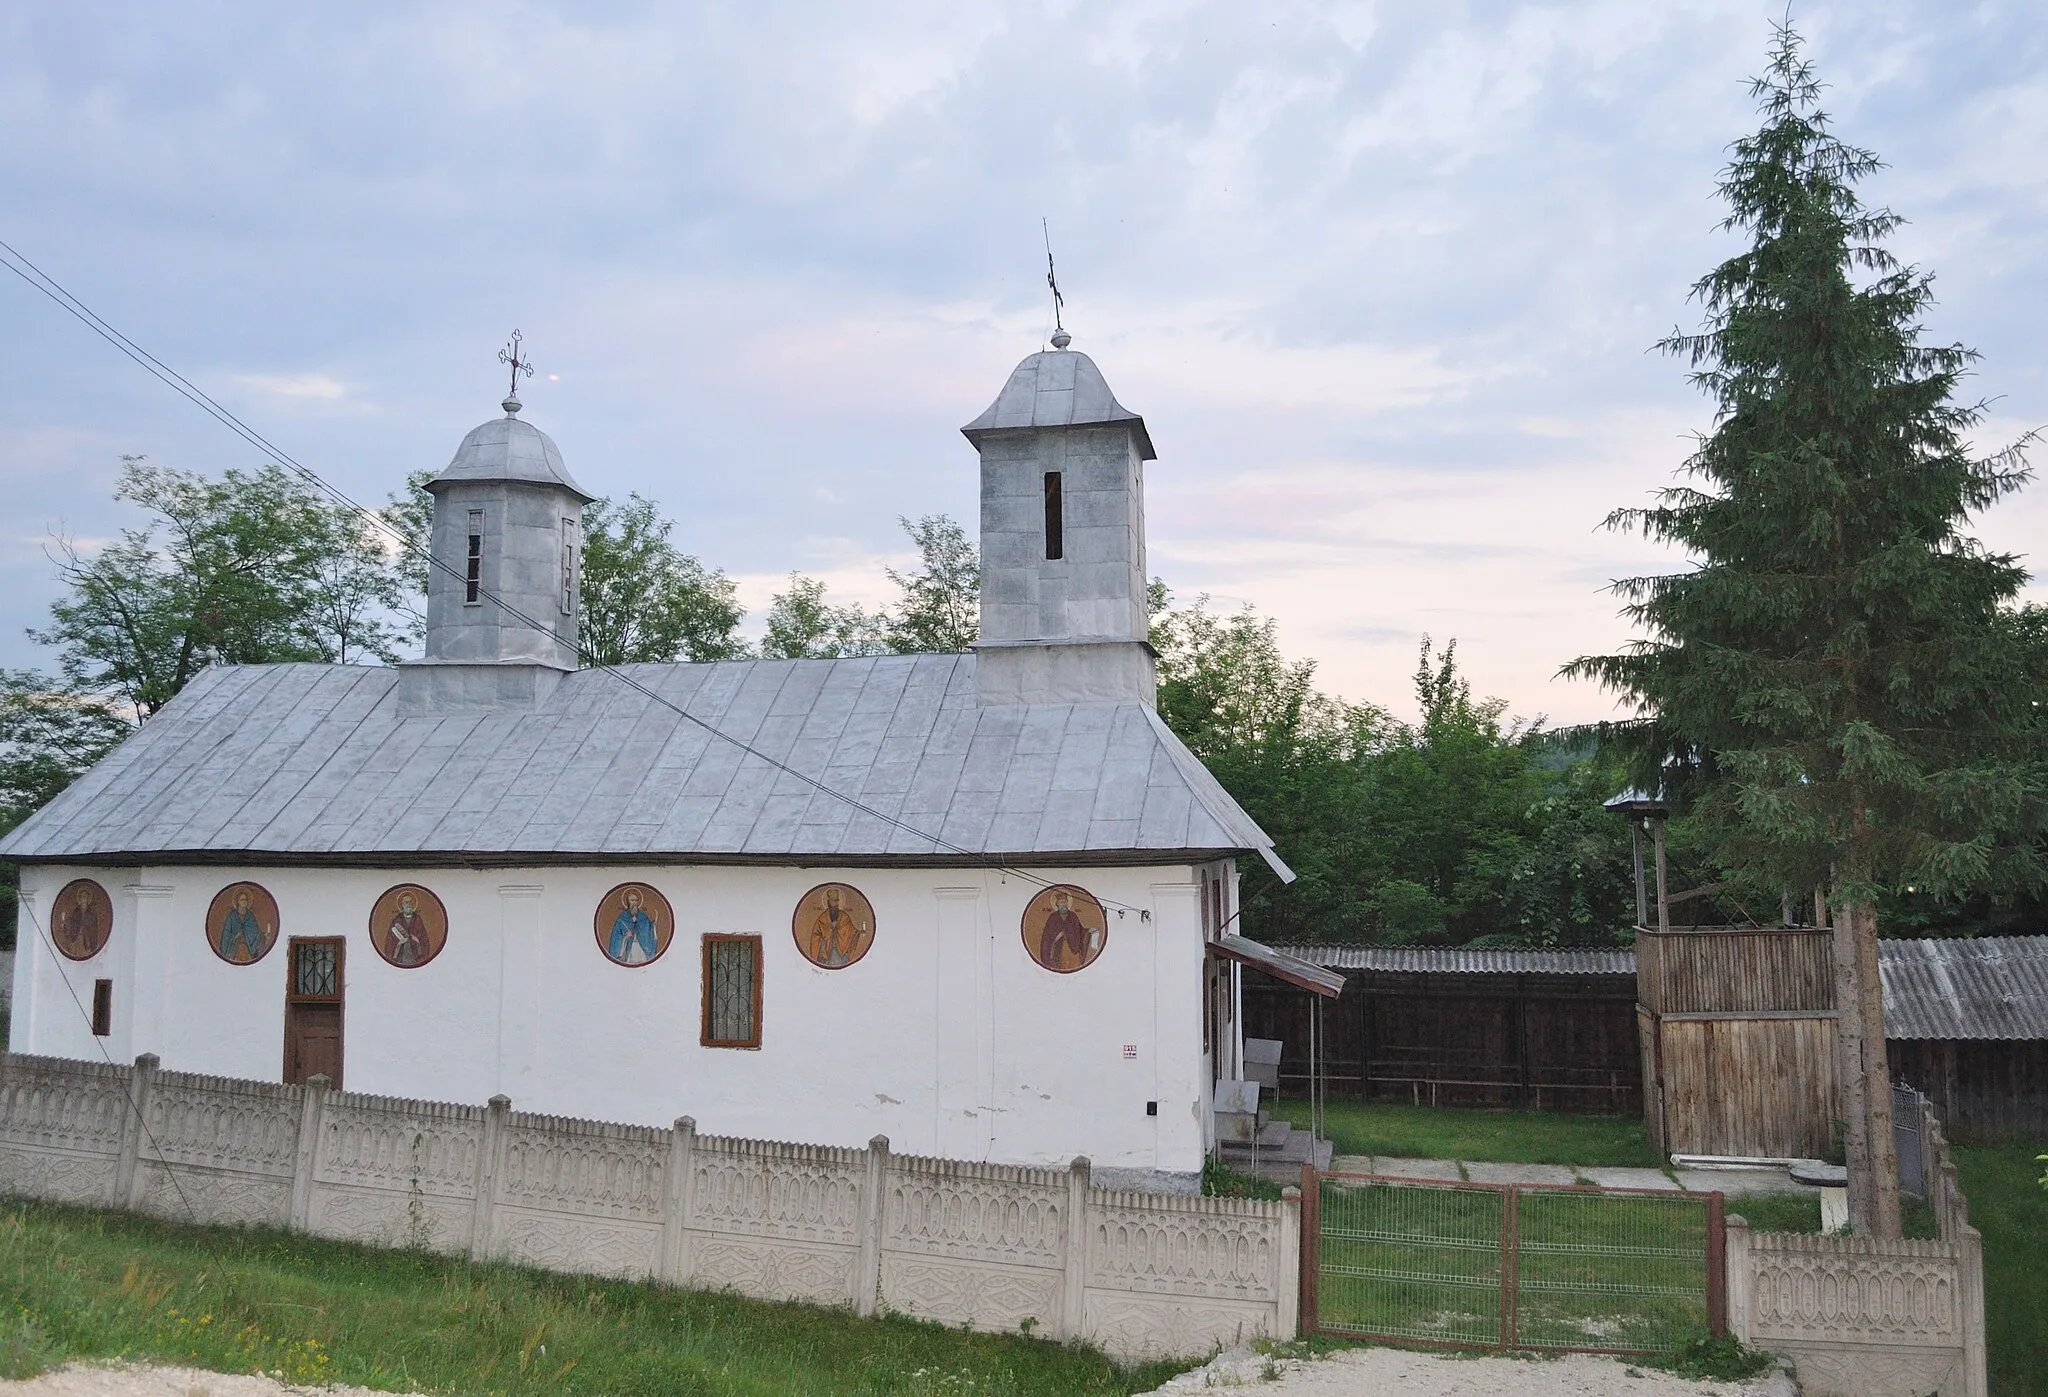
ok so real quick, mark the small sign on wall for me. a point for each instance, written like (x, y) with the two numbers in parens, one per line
(1130, 1051)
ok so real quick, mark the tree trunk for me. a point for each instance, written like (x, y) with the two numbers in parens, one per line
(1849, 1073)
(1883, 1221)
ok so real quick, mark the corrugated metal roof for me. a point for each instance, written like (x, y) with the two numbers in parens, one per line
(1302, 974)
(1991, 987)
(1466, 960)
(319, 761)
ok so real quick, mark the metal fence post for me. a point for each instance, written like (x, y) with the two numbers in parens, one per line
(1717, 1265)
(1311, 1245)
(1510, 1263)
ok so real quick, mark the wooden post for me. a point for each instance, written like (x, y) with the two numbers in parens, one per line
(1642, 888)
(874, 1198)
(1717, 1265)
(1663, 887)
(130, 1179)
(312, 1114)
(1311, 1246)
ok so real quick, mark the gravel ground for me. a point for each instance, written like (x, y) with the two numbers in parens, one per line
(134, 1380)
(1385, 1372)
(1379, 1372)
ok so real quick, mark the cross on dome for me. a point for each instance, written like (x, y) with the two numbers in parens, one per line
(510, 355)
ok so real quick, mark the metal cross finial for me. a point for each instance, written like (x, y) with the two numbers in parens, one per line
(510, 355)
(1060, 338)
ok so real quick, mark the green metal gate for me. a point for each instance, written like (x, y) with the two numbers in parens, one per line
(1511, 1266)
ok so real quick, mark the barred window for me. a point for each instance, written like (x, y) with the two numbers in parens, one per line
(314, 964)
(732, 992)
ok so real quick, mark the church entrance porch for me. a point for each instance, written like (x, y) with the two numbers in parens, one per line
(313, 1010)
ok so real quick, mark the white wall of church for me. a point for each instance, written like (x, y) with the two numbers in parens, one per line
(946, 1037)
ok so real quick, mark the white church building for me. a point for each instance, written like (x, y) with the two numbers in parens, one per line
(980, 903)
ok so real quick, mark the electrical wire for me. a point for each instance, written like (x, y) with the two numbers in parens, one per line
(86, 1014)
(185, 388)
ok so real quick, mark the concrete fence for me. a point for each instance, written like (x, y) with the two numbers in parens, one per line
(1860, 1317)
(994, 1247)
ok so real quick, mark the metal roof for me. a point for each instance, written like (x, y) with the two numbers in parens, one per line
(1466, 960)
(1056, 388)
(505, 448)
(1302, 974)
(1987, 987)
(318, 762)
(1990, 987)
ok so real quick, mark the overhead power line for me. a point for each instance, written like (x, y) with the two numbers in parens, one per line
(29, 272)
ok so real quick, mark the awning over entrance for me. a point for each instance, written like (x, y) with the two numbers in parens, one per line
(1281, 966)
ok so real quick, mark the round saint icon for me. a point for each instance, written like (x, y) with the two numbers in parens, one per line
(81, 919)
(634, 924)
(834, 925)
(241, 925)
(1064, 928)
(408, 926)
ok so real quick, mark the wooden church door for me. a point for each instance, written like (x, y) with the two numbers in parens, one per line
(312, 1010)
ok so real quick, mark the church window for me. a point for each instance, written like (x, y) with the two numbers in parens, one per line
(102, 1008)
(568, 566)
(473, 579)
(314, 968)
(1055, 524)
(732, 991)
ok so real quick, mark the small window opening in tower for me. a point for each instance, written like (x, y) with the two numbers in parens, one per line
(568, 566)
(473, 580)
(1055, 526)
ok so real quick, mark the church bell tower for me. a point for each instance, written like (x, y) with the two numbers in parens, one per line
(502, 593)
(1063, 605)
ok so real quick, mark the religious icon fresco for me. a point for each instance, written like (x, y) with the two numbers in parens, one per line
(408, 926)
(634, 924)
(1065, 928)
(241, 925)
(834, 925)
(81, 919)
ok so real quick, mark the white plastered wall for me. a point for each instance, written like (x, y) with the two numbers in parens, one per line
(946, 1037)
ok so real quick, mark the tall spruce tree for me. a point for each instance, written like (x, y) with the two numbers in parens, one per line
(1841, 687)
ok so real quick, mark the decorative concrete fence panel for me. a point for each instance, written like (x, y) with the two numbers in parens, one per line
(66, 1126)
(1864, 1317)
(989, 1246)
(1173, 1275)
(215, 1149)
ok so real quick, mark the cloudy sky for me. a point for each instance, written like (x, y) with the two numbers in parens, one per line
(1382, 278)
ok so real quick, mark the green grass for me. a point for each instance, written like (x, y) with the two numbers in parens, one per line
(2010, 1208)
(1504, 1137)
(1595, 1270)
(93, 1285)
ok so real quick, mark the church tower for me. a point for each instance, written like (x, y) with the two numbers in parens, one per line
(1063, 613)
(502, 604)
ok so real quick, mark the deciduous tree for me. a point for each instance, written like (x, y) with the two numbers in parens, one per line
(644, 600)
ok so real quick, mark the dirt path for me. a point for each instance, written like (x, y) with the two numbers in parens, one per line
(1385, 1372)
(132, 1380)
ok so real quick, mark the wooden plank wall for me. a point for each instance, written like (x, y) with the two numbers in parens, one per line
(1749, 1086)
(1735, 970)
(1985, 1090)
(1540, 1042)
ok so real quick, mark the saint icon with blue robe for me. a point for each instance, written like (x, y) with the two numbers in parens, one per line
(634, 939)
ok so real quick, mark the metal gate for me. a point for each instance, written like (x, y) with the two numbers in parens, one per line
(1510, 1266)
